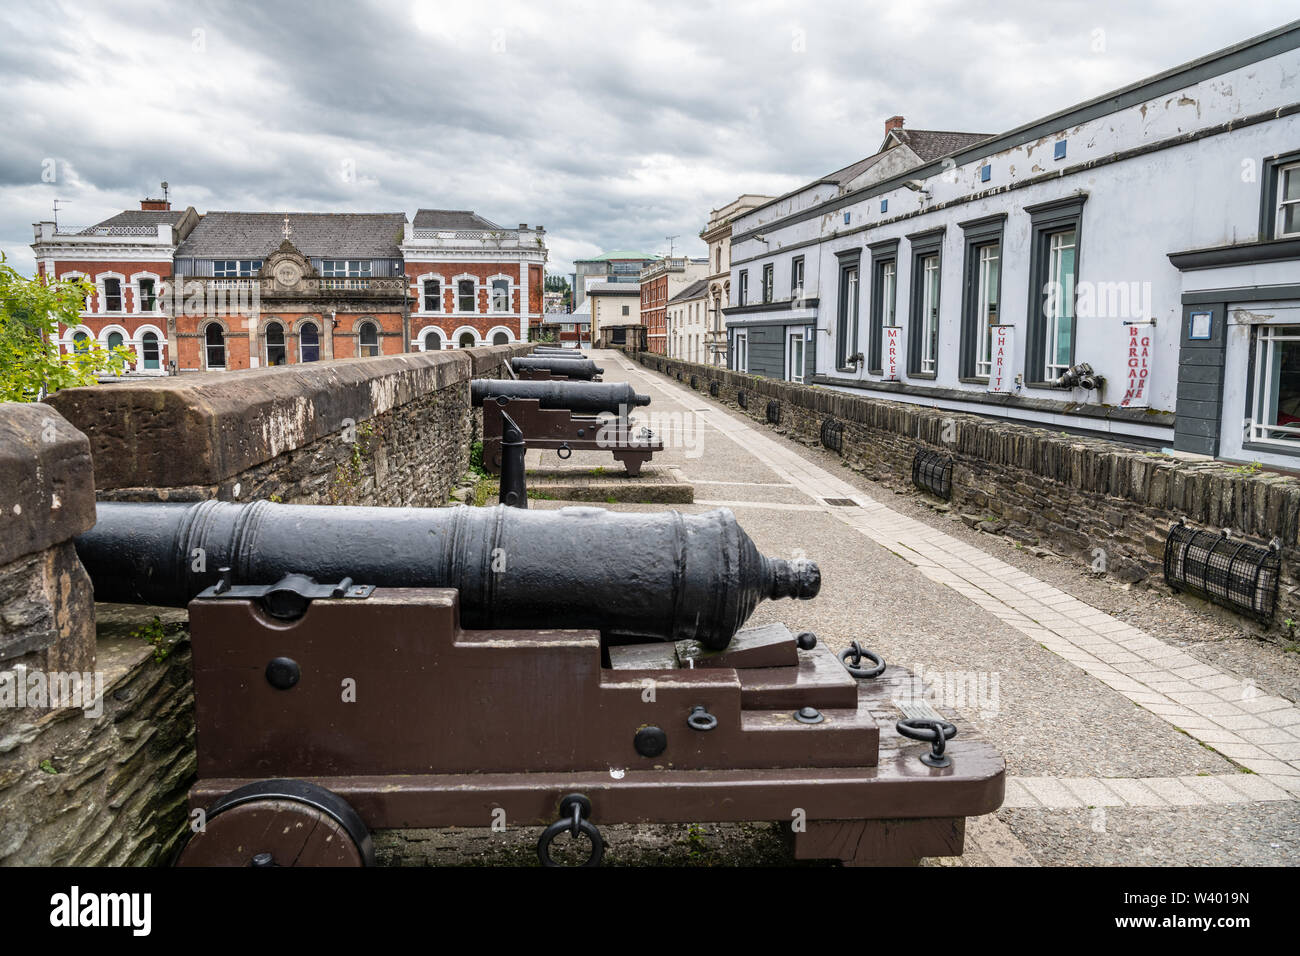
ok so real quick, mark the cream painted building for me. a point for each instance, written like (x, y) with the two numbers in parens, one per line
(687, 327)
(614, 307)
(718, 281)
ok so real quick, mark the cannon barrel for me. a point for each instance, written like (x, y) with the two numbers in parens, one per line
(572, 367)
(584, 397)
(664, 575)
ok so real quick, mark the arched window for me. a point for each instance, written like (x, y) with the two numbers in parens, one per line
(114, 340)
(432, 342)
(368, 336)
(500, 339)
(149, 349)
(500, 295)
(465, 296)
(81, 343)
(308, 342)
(275, 350)
(466, 340)
(216, 346)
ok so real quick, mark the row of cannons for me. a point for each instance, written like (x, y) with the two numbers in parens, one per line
(360, 669)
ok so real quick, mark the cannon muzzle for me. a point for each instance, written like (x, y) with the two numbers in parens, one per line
(590, 398)
(658, 576)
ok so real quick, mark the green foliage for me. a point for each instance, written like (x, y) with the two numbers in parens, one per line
(48, 766)
(1248, 471)
(153, 633)
(31, 366)
(476, 459)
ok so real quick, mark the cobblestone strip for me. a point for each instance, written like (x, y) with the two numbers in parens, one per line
(1258, 731)
(1072, 793)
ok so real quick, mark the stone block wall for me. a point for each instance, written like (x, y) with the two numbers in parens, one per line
(1105, 503)
(377, 431)
(104, 779)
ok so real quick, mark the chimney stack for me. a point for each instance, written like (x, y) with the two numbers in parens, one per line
(156, 205)
(894, 122)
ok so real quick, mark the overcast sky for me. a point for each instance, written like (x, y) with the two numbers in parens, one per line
(613, 124)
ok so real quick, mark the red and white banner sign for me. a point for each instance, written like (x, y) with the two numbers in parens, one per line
(1002, 354)
(1137, 366)
(893, 353)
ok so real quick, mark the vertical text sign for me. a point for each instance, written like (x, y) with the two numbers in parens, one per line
(1001, 354)
(893, 362)
(1137, 366)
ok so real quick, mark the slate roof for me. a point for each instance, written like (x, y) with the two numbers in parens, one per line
(451, 219)
(258, 234)
(930, 144)
(695, 290)
(134, 218)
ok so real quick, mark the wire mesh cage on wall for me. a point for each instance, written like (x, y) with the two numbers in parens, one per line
(1228, 571)
(833, 434)
(695, 382)
(742, 399)
(713, 389)
(774, 412)
(932, 472)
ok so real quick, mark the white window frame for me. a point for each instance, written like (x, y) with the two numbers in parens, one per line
(930, 293)
(984, 322)
(102, 293)
(791, 339)
(492, 295)
(888, 290)
(1263, 388)
(1283, 203)
(456, 281)
(419, 293)
(138, 345)
(135, 293)
(1055, 248)
(740, 342)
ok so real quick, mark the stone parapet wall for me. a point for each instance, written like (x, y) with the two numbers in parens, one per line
(1104, 502)
(375, 431)
(104, 779)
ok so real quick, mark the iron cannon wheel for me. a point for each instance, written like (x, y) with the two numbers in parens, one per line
(280, 823)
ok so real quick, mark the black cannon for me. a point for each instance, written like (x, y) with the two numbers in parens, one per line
(371, 669)
(562, 415)
(662, 576)
(554, 366)
(586, 397)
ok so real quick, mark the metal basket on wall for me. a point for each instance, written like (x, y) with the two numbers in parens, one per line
(695, 382)
(742, 399)
(833, 435)
(774, 412)
(932, 472)
(1227, 571)
(713, 389)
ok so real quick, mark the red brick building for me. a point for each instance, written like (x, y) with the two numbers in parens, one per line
(660, 281)
(234, 290)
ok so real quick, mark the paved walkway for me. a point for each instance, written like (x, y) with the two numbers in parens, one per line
(1083, 695)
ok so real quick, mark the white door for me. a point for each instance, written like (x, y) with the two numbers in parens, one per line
(794, 356)
(742, 352)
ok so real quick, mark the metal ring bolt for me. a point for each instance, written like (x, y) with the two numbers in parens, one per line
(937, 732)
(855, 652)
(573, 811)
(701, 719)
(565, 452)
